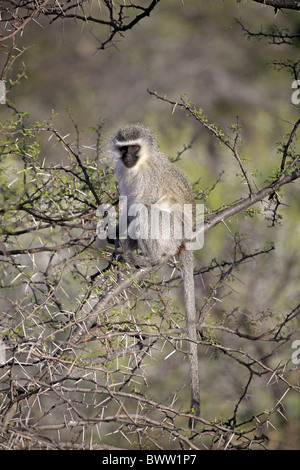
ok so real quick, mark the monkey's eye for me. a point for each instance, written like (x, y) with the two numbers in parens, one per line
(135, 147)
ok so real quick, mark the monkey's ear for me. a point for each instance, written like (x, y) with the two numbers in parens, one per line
(113, 150)
(113, 154)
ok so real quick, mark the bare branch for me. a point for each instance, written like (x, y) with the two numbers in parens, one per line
(17, 15)
(279, 4)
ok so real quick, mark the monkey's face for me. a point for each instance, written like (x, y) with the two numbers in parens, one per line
(129, 154)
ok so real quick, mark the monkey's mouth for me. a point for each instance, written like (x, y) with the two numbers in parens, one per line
(129, 160)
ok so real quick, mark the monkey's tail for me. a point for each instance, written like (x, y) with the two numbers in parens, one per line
(190, 312)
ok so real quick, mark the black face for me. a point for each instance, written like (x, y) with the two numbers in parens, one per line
(129, 154)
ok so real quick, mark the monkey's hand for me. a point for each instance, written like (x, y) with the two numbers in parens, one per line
(133, 259)
(127, 252)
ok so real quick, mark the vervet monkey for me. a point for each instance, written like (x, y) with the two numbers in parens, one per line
(157, 190)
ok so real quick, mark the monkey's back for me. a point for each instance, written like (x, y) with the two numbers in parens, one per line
(156, 181)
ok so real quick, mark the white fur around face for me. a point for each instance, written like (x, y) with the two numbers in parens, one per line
(143, 153)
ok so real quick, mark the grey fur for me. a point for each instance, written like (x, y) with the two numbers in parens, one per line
(153, 179)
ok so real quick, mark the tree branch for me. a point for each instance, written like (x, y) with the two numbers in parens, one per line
(249, 201)
(278, 4)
